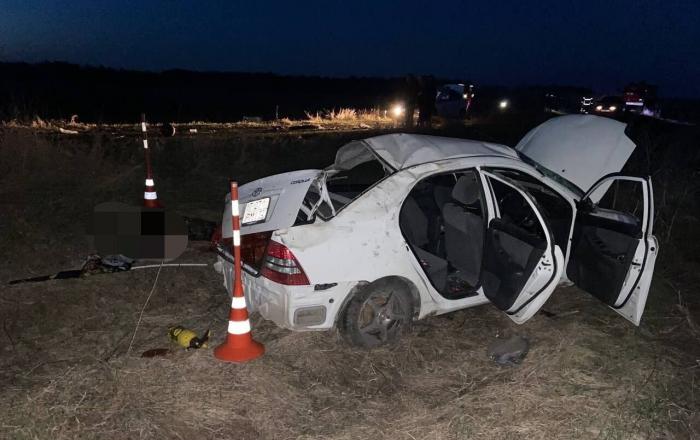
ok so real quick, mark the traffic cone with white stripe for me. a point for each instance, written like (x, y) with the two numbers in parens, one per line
(239, 345)
(150, 196)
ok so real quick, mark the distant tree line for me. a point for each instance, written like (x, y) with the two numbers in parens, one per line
(59, 90)
(97, 94)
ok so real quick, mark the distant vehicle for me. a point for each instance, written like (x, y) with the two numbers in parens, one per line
(453, 101)
(639, 97)
(609, 106)
(404, 226)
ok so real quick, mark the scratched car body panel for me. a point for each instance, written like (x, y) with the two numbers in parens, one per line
(447, 224)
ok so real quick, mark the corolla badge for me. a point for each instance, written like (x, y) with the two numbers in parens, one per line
(256, 192)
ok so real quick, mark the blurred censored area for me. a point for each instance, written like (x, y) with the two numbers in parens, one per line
(139, 233)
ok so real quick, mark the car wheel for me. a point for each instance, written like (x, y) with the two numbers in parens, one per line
(377, 315)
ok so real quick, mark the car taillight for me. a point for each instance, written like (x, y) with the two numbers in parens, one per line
(252, 247)
(282, 267)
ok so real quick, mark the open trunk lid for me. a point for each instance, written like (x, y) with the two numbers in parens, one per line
(581, 149)
(269, 203)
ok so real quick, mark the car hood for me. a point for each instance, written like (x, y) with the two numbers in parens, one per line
(579, 148)
(286, 192)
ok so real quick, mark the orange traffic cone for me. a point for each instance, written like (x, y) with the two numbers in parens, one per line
(239, 345)
(150, 196)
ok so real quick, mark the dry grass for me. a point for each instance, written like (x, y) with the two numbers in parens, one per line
(65, 372)
(350, 115)
(342, 118)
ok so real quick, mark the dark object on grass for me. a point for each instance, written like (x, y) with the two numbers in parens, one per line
(155, 352)
(549, 314)
(304, 127)
(107, 264)
(56, 276)
(510, 351)
(94, 264)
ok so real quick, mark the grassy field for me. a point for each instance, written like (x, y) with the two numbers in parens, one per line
(68, 369)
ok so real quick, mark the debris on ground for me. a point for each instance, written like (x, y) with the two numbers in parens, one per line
(107, 264)
(510, 351)
(187, 338)
(156, 352)
(94, 264)
(549, 314)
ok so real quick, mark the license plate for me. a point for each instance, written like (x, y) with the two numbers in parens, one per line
(256, 211)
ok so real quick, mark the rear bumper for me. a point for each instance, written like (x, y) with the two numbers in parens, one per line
(297, 308)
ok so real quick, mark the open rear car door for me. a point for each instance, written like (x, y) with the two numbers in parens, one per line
(521, 265)
(613, 250)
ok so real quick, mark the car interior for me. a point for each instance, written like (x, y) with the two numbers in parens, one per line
(443, 220)
(558, 212)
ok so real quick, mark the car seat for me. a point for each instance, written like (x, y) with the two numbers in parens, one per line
(464, 228)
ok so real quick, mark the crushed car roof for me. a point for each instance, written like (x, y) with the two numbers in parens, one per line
(401, 150)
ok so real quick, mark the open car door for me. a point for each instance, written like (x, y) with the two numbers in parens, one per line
(613, 250)
(521, 265)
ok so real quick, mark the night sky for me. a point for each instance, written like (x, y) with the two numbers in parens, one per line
(601, 44)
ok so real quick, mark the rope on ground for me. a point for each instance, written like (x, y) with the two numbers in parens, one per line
(170, 265)
(143, 309)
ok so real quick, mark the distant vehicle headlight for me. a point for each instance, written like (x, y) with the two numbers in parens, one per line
(503, 104)
(599, 107)
(397, 110)
(465, 96)
(613, 108)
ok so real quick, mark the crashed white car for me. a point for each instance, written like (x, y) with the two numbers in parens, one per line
(404, 226)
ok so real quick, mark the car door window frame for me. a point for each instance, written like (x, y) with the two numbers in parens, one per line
(568, 200)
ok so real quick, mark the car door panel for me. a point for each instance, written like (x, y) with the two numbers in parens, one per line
(510, 257)
(610, 220)
(613, 252)
(599, 263)
(521, 265)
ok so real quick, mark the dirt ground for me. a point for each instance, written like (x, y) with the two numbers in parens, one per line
(69, 370)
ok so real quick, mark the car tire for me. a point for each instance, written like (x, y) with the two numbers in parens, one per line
(377, 315)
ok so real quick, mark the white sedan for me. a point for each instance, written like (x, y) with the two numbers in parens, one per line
(405, 226)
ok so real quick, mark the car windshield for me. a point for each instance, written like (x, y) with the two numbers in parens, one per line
(552, 175)
(356, 169)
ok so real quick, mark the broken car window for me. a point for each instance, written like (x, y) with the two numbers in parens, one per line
(355, 170)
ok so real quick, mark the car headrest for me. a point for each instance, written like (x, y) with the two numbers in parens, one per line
(466, 190)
